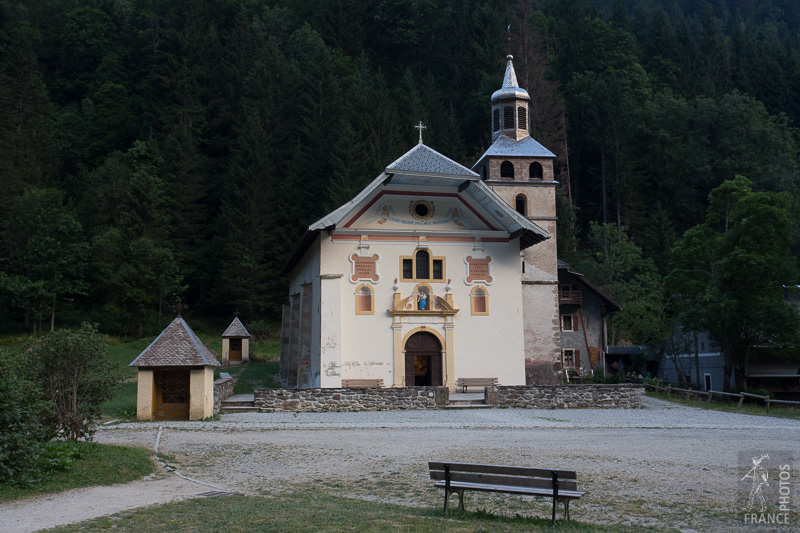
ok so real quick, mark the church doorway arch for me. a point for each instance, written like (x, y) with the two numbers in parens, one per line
(423, 360)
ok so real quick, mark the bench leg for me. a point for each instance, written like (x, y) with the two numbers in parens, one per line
(566, 509)
(460, 493)
(446, 495)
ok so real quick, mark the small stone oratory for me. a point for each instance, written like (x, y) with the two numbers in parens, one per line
(434, 272)
(175, 376)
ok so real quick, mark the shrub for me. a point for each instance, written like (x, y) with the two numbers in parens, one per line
(76, 377)
(21, 431)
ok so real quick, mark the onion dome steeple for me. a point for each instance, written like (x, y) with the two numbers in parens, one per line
(510, 106)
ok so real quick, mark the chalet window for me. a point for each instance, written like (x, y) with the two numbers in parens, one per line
(570, 358)
(508, 117)
(422, 267)
(507, 169)
(496, 120)
(522, 118)
(569, 323)
(520, 206)
(536, 172)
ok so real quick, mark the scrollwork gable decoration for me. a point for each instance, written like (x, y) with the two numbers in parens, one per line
(365, 268)
(478, 269)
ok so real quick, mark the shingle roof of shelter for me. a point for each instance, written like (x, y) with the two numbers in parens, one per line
(236, 329)
(177, 345)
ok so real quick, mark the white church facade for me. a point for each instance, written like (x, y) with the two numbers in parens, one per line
(433, 272)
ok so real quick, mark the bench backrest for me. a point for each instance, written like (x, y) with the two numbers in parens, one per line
(476, 381)
(513, 476)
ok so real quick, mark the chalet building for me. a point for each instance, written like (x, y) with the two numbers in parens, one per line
(434, 271)
(583, 309)
(175, 376)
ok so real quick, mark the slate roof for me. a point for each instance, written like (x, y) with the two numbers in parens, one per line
(177, 345)
(510, 87)
(424, 161)
(525, 147)
(236, 329)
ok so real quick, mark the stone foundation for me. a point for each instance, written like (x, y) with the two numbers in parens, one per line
(625, 396)
(323, 400)
(223, 389)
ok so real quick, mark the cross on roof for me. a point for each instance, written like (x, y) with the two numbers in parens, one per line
(420, 126)
(180, 306)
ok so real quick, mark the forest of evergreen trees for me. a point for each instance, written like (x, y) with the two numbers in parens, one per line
(151, 149)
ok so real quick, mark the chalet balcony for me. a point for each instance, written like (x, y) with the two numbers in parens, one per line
(569, 296)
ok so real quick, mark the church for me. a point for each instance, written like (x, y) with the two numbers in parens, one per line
(434, 272)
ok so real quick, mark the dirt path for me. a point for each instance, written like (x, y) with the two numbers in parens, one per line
(659, 466)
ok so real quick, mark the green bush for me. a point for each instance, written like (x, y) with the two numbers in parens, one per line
(21, 432)
(76, 376)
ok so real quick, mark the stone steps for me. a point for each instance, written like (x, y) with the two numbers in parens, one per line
(239, 403)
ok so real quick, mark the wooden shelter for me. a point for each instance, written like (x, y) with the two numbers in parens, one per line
(235, 344)
(176, 376)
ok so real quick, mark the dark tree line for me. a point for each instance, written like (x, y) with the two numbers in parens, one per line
(150, 150)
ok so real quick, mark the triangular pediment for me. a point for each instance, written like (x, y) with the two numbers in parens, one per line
(434, 211)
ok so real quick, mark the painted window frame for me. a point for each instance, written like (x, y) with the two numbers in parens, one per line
(360, 294)
(473, 297)
(431, 259)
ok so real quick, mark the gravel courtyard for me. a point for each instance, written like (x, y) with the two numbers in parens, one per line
(663, 465)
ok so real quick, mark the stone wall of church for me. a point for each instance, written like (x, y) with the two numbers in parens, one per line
(324, 400)
(626, 396)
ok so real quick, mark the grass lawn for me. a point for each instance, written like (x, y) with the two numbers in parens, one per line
(92, 464)
(315, 511)
(730, 407)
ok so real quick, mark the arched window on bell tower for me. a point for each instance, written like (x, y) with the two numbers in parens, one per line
(536, 172)
(496, 120)
(507, 169)
(508, 117)
(522, 118)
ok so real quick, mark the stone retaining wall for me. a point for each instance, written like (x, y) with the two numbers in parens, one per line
(625, 395)
(223, 389)
(322, 400)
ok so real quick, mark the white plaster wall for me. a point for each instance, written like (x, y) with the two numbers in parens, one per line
(330, 375)
(484, 346)
(307, 271)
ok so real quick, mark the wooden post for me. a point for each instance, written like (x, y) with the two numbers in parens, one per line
(767, 400)
(741, 399)
(669, 390)
(708, 401)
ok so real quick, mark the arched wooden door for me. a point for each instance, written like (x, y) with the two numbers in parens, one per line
(423, 360)
(171, 394)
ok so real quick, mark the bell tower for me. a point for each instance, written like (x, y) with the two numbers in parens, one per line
(520, 171)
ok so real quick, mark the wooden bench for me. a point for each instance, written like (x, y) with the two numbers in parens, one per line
(463, 383)
(561, 485)
(362, 383)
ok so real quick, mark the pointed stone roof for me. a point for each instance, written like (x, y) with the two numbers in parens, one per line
(511, 88)
(424, 161)
(177, 345)
(236, 329)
